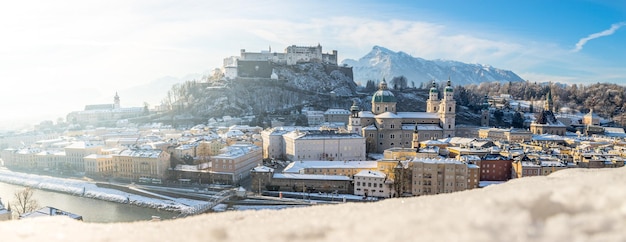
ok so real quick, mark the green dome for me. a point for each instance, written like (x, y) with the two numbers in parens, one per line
(433, 90)
(383, 96)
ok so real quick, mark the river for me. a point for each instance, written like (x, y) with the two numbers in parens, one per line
(92, 210)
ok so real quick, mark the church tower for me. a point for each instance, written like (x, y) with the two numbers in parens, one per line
(116, 101)
(549, 105)
(432, 104)
(447, 111)
(354, 122)
(484, 117)
(415, 143)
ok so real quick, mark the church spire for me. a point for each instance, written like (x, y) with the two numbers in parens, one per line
(549, 105)
(116, 101)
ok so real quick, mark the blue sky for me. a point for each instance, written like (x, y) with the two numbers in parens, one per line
(60, 55)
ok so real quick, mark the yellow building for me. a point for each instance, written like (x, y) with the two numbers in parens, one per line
(99, 165)
(76, 152)
(133, 164)
(434, 176)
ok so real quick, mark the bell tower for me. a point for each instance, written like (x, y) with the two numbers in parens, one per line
(432, 104)
(447, 111)
(116, 101)
(354, 122)
(484, 117)
(415, 143)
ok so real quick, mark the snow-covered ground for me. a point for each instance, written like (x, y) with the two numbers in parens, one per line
(90, 190)
(568, 205)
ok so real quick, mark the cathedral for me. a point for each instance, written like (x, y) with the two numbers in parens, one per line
(383, 127)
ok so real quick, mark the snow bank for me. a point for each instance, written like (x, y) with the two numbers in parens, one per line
(90, 190)
(569, 205)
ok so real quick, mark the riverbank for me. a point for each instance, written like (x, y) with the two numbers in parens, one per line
(90, 190)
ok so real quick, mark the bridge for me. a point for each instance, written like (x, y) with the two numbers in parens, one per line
(212, 202)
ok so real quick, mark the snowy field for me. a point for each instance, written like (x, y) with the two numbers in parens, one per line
(90, 190)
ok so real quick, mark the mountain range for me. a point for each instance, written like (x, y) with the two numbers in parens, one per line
(381, 63)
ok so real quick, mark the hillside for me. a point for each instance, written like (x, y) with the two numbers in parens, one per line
(296, 86)
(382, 63)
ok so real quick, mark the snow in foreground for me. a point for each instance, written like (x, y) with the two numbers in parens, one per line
(569, 205)
(90, 190)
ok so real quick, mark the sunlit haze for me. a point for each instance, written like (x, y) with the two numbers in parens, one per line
(58, 56)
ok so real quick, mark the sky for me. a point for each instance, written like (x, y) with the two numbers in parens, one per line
(58, 56)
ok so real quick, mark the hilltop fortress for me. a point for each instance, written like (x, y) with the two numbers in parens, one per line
(260, 64)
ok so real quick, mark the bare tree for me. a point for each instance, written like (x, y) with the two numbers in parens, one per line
(24, 201)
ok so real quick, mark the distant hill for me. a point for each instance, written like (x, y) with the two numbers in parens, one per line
(384, 63)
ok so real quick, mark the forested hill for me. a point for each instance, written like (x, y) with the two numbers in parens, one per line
(606, 99)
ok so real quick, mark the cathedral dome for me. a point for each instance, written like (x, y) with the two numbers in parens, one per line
(383, 95)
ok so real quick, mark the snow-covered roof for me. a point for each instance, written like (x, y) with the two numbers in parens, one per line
(262, 169)
(418, 115)
(366, 114)
(236, 150)
(370, 127)
(547, 137)
(437, 161)
(321, 135)
(387, 115)
(371, 174)
(310, 177)
(457, 140)
(297, 166)
(50, 211)
(141, 153)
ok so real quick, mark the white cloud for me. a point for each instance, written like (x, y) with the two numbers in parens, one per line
(610, 31)
(52, 52)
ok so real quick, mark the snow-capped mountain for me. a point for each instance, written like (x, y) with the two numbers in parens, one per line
(384, 63)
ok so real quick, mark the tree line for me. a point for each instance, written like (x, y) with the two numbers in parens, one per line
(606, 99)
